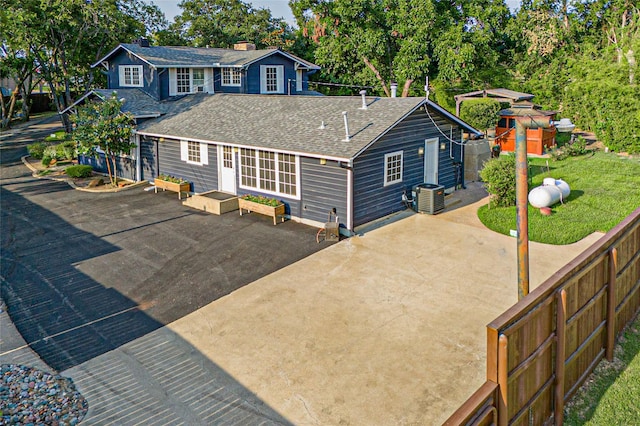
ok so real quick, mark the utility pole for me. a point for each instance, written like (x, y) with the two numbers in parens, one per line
(522, 189)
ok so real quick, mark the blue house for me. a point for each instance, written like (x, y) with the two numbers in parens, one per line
(227, 120)
(355, 156)
(163, 72)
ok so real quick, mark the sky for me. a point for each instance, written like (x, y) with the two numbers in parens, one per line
(279, 8)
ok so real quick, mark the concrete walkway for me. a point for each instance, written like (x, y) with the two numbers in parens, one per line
(384, 328)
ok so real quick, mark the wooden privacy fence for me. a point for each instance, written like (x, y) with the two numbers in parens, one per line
(542, 349)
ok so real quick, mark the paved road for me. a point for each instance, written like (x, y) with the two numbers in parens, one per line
(90, 280)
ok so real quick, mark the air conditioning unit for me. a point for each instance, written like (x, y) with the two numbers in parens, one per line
(429, 198)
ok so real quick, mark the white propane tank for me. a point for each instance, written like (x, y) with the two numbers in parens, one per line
(551, 191)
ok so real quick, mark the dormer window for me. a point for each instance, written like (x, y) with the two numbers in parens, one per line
(271, 79)
(130, 75)
(184, 80)
(198, 79)
(231, 77)
(187, 80)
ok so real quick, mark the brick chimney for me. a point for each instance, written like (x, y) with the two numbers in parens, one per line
(244, 45)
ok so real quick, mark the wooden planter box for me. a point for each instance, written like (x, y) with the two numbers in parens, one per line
(171, 186)
(251, 206)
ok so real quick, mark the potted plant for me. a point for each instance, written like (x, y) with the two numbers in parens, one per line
(263, 205)
(171, 183)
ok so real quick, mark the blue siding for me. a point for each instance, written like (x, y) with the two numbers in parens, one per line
(372, 199)
(150, 75)
(203, 178)
(253, 73)
(148, 157)
(219, 88)
(125, 166)
(324, 187)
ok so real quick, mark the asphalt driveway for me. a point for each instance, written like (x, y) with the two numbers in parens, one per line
(70, 257)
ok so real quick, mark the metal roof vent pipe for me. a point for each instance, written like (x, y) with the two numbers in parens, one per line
(363, 93)
(346, 127)
(394, 89)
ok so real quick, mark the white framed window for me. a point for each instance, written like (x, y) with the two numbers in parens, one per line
(231, 77)
(287, 176)
(183, 80)
(271, 79)
(392, 168)
(195, 153)
(270, 172)
(248, 170)
(130, 75)
(197, 79)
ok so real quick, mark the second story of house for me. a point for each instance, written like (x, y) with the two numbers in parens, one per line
(166, 71)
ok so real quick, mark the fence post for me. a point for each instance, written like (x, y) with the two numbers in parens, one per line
(611, 303)
(561, 325)
(503, 377)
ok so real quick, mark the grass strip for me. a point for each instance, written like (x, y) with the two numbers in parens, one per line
(611, 395)
(605, 188)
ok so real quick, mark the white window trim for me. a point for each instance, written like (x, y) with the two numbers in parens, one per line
(233, 71)
(194, 88)
(277, 164)
(279, 79)
(121, 71)
(386, 167)
(204, 153)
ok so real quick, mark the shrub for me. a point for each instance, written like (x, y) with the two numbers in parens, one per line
(480, 113)
(79, 171)
(499, 175)
(66, 150)
(573, 149)
(46, 160)
(51, 151)
(36, 150)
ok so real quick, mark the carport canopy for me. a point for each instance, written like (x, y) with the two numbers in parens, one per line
(501, 95)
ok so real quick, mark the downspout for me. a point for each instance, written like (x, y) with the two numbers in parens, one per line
(350, 197)
(522, 213)
(157, 158)
(138, 158)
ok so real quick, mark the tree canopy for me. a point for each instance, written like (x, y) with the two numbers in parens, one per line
(101, 126)
(576, 56)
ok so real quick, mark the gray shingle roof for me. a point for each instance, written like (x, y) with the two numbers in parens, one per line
(169, 56)
(137, 102)
(288, 123)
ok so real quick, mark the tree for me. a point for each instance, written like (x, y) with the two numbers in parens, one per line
(66, 36)
(17, 63)
(102, 126)
(221, 23)
(376, 42)
(480, 113)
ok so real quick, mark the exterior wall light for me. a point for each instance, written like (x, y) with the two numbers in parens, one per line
(443, 146)
(323, 161)
(421, 151)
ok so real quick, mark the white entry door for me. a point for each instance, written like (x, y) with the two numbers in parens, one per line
(227, 167)
(431, 160)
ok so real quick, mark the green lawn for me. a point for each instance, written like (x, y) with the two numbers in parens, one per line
(60, 135)
(612, 393)
(605, 188)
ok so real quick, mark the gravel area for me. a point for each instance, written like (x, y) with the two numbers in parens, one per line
(33, 397)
